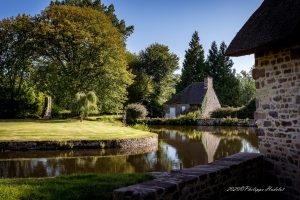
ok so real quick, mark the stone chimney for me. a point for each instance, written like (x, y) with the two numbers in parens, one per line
(208, 82)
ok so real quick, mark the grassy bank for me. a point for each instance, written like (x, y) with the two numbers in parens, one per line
(61, 130)
(68, 187)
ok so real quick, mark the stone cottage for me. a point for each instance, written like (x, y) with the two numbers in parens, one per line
(272, 33)
(197, 95)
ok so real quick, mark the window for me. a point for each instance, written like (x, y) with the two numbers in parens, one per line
(183, 108)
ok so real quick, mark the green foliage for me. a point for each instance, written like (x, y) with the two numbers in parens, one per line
(143, 86)
(135, 111)
(247, 87)
(194, 66)
(102, 145)
(154, 77)
(80, 50)
(87, 186)
(225, 112)
(142, 127)
(192, 115)
(85, 103)
(27, 104)
(243, 112)
(18, 97)
(108, 10)
(220, 69)
(60, 113)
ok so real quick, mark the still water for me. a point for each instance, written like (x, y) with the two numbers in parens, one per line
(187, 145)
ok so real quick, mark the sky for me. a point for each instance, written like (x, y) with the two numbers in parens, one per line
(168, 22)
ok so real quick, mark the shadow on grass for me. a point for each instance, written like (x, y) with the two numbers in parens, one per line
(90, 186)
(41, 120)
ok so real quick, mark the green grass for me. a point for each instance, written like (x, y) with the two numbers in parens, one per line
(74, 187)
(61, 130)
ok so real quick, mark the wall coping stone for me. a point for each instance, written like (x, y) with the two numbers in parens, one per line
(177, 183)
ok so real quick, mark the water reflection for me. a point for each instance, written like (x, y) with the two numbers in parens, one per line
(188, 145)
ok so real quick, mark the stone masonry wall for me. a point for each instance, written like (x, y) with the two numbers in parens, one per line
(130, 144)
(211, 101)
(212, 181)
(277, 79)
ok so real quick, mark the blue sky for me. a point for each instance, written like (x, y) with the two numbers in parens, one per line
(170, 22)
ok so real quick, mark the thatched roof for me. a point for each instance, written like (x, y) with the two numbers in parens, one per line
(275, 24)
(193, 94)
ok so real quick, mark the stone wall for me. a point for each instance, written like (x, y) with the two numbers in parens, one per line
(131, 144)
(199, 122)
(213, 181)
(277, 80)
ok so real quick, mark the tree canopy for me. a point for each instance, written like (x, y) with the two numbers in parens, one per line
(154, 83)
(247, 87)
(17, 95)
(80, 50)
(225, 82)
(194, 66)
(126, 31)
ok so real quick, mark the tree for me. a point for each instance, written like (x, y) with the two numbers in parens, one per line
(225, 82)
(18, 96)
(126, 31)
(155, 68)
(85, 103)
(142, 87)
(80, 50)
(247, 87)
(194, 66)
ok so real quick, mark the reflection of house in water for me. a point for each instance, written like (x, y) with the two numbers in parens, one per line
(211, 143)
(202, 146)
(190, 151)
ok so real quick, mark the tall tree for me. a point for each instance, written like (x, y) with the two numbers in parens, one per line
(17, 95)
(225, 82)
(126, 31)
(142, 88)
(194, 66)
(247, 87)
(79, 51)
(158, 65)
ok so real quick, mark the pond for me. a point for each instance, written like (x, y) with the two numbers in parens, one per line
(187, 146)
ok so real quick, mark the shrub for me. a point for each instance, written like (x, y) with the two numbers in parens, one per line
(142, 127)
(240, 113)
(29, 103)
(135, 111)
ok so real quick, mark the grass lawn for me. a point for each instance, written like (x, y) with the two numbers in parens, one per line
(61, 130)
(90, 186)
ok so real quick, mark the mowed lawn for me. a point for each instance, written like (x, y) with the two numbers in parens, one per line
(61, 130)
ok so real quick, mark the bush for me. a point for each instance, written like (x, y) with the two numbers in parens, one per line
(240, 113)
(27, 104)
(135, 111)
(60, 113)
(142, 127)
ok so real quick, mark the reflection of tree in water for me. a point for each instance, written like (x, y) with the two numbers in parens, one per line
(160, 160)
(217, 142)
(55, 167)
(189, 145)
(227, 147)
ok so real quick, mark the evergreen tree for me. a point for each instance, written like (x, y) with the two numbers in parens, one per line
(194, 66)
(226, 84)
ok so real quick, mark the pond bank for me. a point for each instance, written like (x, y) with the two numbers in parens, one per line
(131, 144)
(199, 122)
